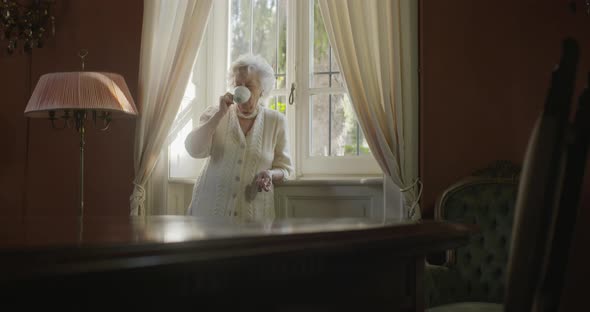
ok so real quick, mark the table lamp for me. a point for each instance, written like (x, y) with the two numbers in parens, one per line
(70, 99)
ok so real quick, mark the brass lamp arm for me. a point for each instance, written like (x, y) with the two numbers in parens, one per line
(77, 116)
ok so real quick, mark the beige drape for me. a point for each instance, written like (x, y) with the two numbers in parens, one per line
(375, 43)
(171, 36)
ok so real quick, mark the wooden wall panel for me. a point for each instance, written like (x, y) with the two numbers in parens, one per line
(111, 31)
(14, 81)
(467, 48)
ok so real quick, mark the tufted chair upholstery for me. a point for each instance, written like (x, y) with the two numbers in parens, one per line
(477, 271)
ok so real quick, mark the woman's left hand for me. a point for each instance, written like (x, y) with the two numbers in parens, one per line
(264, 180)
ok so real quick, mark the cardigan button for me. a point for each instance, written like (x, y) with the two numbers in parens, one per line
(234, 195)
(237, 178)
(239, 161)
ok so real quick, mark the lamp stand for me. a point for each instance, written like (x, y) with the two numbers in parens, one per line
(74, 98)
(80, 116)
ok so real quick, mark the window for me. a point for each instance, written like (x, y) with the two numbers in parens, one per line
(331, 141)
(334, 130)
(260, 27)
(325, 137)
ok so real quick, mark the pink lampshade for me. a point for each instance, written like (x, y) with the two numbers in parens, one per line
(91, 91)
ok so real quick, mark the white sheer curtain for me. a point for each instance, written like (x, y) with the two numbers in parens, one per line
(171, 36)
(375, 42)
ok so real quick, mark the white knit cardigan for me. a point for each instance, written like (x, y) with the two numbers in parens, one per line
(226, 186)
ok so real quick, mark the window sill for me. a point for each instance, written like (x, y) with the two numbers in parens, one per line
(314, 181)
(335, 180)
(182, 180)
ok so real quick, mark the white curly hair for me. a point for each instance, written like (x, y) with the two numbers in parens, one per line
(256, 64)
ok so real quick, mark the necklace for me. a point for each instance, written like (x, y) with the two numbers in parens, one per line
(250, 116)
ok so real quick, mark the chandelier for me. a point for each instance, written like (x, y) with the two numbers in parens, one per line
(25, 25)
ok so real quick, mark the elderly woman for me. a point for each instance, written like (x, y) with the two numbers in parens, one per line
(246, 146)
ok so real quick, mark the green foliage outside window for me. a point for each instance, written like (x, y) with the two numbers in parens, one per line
(278, 106)
(351, 150)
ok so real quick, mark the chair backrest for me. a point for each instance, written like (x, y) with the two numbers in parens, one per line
(540, 189)
(487, 199)
(562, 229)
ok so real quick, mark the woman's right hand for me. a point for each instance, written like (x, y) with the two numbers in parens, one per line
(225, 101)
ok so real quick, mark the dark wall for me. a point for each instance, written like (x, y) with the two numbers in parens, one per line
(14, 77)
(468, 51)
(485, 73)
(41, 177)
(486, 67)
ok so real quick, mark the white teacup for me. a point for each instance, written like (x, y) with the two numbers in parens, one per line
(241, 94)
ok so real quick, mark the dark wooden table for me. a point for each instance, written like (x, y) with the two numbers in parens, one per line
(287, 265)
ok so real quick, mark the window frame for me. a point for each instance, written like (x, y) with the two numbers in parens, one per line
(299, 72)
(312, 166)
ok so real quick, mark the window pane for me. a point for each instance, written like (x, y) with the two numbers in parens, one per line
(190, 93)
(320, 44)
(264, 39)
(240, 28)
(268, 21)
(282, 43)
(344, 132)
(337, 80)
(324, 60)
(334, 127)
(319, 137)
(281, 81)
(364, 146)
(278, 103)
(334, 62)
(181, 163)
(321, 80)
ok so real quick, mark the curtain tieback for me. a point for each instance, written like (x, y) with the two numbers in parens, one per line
(417, 182)
(137, 199)
(138, 192)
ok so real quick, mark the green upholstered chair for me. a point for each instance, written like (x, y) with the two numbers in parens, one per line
(473, 277)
